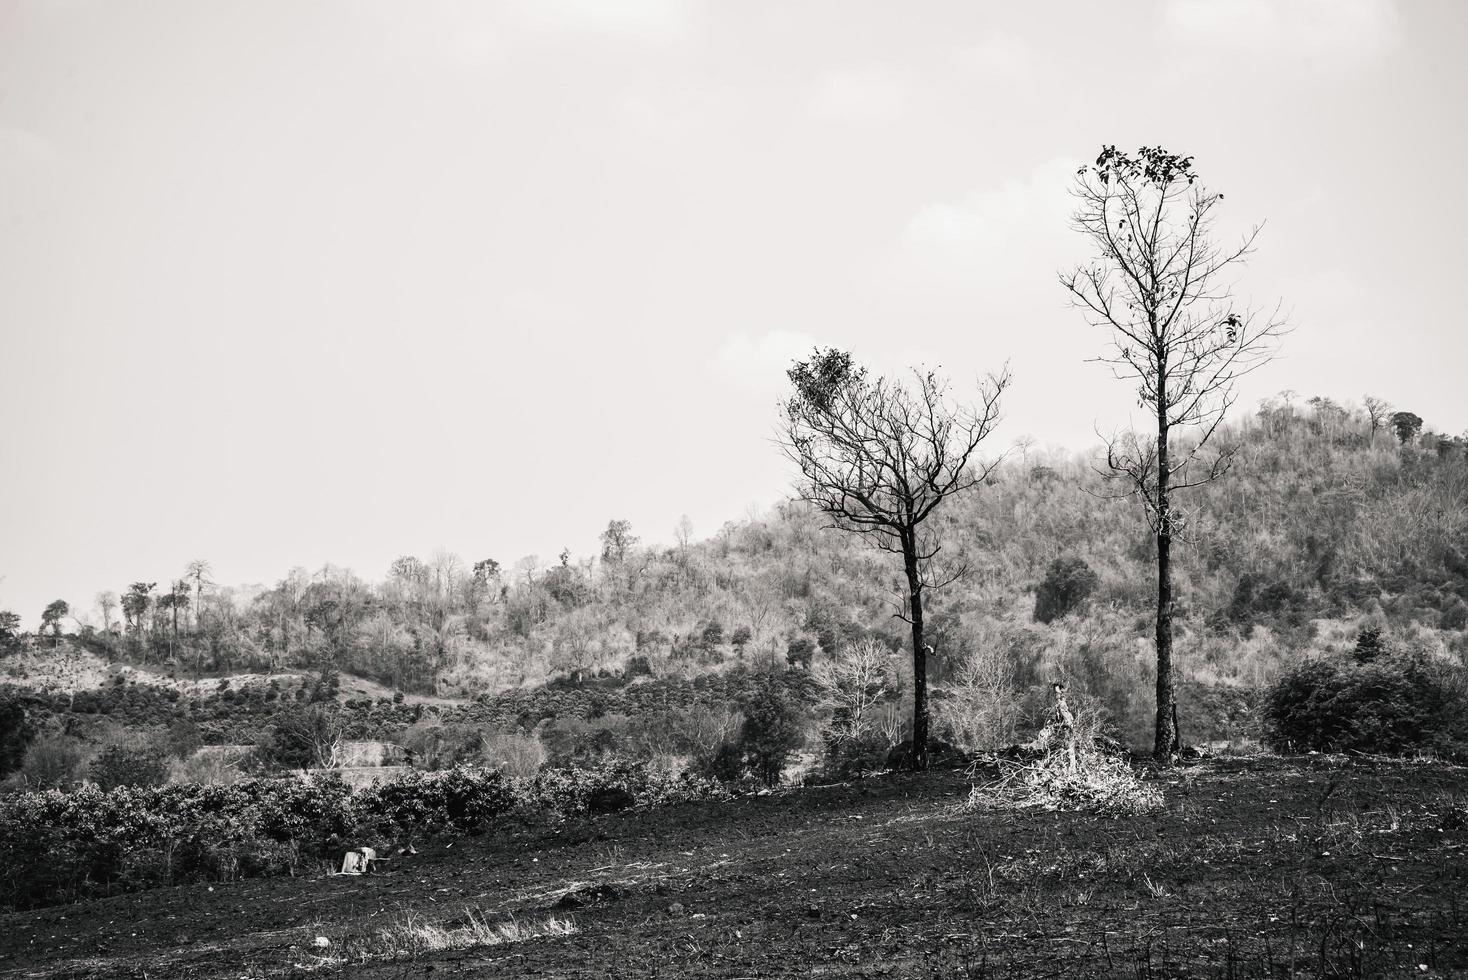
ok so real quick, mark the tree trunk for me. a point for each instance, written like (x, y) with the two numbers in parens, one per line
(1165, 735)
(919, 657)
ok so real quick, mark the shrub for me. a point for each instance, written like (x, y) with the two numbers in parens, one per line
(1390, 703)
(774, 728)
(1068, 582)
(118, 766)
(418, 803)
(517, 754)
(855, 755)
(16, 732)
(53, 763)
(208, 769)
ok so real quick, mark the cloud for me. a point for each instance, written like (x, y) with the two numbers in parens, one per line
(1345, 31)
(990, 235)
(863, 96)
(646, 20)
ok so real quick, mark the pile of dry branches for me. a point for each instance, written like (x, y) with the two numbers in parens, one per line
(1061, 780)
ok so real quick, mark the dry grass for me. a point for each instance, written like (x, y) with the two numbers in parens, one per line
(414, 938)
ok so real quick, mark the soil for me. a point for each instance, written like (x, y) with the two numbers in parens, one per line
(1323, 866)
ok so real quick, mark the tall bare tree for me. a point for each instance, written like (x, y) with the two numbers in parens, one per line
(1162, 286)
(878, 456)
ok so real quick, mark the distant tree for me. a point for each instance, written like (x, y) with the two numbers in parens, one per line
(198, 571)
(9, 630)
(683, 533)
(1378, 412)
(1159, 283)
(107, 603)
(51, 618)
(1407, 425)
(486, 570)
(878, 457)
(800, 652)
(565, 583)
(173, 600)
(616, 541)
(135, 603)
(1068, 582)
(408, 570)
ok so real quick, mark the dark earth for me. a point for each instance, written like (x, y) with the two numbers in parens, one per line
(1313, 867)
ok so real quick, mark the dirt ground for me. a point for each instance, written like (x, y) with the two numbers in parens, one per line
(1257, 868)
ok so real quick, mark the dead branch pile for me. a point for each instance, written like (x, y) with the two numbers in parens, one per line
(1058, 780)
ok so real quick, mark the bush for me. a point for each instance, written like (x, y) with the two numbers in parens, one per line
(774, 728)
(53, 763)
(16, 732)
(419, 803)
(210, 769)
(855, 755)
(1068, 582)
(118, 766)
(1389, 703)
(517, 754)
(61, 847)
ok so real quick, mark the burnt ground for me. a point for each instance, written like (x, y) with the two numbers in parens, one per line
(1323, 866)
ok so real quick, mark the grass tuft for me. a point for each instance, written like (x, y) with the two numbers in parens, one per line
(415, 937)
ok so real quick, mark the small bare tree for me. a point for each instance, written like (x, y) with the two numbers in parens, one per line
(1162, 287)
(107, 602)
(851, 681)
(878, 457)
(1378, 413)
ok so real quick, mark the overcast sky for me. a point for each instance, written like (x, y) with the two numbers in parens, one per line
(284, 283)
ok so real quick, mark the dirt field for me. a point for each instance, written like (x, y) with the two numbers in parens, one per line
(1258, 868)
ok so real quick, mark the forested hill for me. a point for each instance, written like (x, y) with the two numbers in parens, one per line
(1325, 520)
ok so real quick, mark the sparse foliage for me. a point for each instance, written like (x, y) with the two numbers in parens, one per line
(1161, 285)
(878, 457)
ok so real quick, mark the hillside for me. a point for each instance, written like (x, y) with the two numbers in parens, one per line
(1320, 867)
(1323, 524)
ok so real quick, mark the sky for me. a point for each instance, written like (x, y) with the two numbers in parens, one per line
(289, 282)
